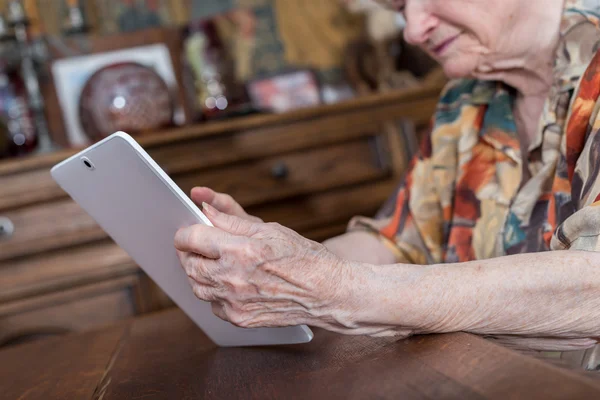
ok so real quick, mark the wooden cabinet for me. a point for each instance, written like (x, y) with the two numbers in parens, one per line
(311, 170)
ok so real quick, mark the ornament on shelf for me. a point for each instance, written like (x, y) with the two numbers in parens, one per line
(205, 56)
(125, 96)
(32, 56)
(18, 129)
(218, 59)
(75, 22)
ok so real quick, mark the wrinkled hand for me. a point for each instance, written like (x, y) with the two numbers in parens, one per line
(222, 202)
(263, 275)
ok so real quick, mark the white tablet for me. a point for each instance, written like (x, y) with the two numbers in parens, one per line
(141, 208)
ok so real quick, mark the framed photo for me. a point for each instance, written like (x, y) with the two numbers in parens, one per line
(157, 48)
(71, 74)
(285, 92)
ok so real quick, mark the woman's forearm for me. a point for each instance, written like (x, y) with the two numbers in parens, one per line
(544, 301)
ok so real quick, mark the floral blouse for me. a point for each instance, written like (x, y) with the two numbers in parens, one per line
(465, 195)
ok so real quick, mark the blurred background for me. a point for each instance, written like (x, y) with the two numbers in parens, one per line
(306, 111)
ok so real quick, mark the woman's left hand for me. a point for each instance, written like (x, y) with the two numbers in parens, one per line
(265, 275)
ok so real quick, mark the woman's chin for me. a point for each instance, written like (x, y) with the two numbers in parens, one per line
(455, 68)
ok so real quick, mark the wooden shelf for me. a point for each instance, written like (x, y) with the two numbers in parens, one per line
(426, 93)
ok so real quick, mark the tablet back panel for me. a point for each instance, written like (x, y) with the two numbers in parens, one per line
(141, 208)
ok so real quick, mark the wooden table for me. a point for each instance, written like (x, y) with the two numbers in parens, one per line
(165, 356)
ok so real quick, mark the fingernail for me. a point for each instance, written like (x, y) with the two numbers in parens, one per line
(207, 208)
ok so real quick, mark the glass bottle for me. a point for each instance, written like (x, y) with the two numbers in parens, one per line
(20, 136)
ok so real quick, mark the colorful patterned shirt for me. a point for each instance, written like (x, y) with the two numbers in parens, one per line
(465, 196)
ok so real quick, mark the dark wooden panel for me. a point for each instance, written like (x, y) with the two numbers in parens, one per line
(63, 269)
(48, 226)
(306, 213)
(165, 356)
(306, 172)
(34, 186)
(27, 188)
(73, 310)
(186, 156)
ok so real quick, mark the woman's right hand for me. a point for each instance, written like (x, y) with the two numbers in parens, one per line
(222, 202)
(355, 246)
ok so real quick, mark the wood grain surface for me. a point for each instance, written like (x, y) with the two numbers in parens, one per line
(165, 356)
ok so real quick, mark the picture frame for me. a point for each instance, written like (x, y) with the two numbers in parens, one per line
(91, 52)
(71, 74)
(285, 91)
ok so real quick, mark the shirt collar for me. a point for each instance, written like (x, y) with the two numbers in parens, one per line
(576, 47)
(578, 42)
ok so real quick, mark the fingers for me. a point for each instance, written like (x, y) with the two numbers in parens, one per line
(202, 240)
(210, 241)
(221, 201)
(227, 204)
(204, 293)
(201, 195)
(199, 272)
(256, 320)
(198, 268)
(229, 223)
(224, 311)
(219, 310)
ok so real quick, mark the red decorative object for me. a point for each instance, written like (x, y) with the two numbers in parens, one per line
(125, 96)
(285, 91)
(18, 135)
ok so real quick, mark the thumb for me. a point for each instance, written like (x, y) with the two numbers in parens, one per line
(229, 223)
(201, 195)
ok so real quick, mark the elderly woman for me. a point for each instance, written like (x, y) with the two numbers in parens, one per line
(495, 228)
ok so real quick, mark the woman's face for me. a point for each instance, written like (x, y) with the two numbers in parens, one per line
(471, 37)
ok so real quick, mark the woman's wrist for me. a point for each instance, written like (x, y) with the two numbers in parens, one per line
(396, 297)
(380, 301)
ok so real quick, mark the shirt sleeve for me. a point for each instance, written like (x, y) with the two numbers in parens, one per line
(581, 164)
(412, 227)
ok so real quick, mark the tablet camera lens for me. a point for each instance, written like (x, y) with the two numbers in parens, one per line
(88, 164)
